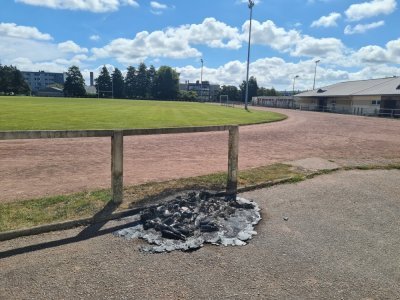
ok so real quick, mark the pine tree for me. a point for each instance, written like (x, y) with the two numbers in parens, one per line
(118, 84)
(74, 85)
(142, 81)
(151, 73)
(103, 83)
(130, 83)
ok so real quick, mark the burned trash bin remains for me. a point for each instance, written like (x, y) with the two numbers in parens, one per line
(190, 220)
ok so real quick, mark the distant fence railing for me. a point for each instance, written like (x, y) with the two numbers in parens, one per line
(387, 112)
(361, 111)
(117, 137)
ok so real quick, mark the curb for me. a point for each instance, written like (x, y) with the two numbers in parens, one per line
(9, 235)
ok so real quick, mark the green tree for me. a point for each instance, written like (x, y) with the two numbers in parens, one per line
(187, 95)
(253, 89)
(12, 81)
(74, 85)
(103, 83)
(130, 83)
(118, 84)
(166, 83)
(142, 81)
(231, 91)
(151, 73)
(267, 92)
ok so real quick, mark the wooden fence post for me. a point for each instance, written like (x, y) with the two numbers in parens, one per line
(117, 168)
(233, 158)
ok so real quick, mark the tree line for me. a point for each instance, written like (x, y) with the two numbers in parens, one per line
(239, 94)
(139, 83)
(12, 82)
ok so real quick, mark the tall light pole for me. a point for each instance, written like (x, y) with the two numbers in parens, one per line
(201, 80)
(315, 72)
(251, 4)
(294, 80)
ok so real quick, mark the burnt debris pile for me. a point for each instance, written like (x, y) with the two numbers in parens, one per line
(188, 221)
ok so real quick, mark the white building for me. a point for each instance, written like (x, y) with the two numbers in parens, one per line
(362, 97)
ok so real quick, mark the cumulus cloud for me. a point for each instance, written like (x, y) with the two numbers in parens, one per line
(96, 6)
(23, 32)
(324, 47)
(370, 9)
(362, 28)
(327, 21)
(373, 54)
(172, 43)
(267, 33)
(71, 47)
(270, 72)
(293, 41)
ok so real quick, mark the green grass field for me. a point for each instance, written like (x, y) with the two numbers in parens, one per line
(36, 113)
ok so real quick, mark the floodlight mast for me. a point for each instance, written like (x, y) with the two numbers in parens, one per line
(315, 72)
(201, 80)
(251, 5)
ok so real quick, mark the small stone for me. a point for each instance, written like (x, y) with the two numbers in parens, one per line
(286, 218)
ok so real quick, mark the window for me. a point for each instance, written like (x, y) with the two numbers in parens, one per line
(376, 102)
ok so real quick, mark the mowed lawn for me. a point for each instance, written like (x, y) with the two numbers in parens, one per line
(36, 113)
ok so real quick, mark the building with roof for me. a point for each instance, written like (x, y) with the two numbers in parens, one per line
(205, 91)
(50, 91)
(362, 97)
(40, 80)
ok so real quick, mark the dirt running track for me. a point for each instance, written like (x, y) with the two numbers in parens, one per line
(32, 168)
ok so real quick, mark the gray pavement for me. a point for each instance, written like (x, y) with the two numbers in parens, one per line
(341, 241)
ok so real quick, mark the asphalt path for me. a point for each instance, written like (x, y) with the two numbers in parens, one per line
(334, 236)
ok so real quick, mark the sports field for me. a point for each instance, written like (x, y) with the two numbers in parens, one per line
(36, 113)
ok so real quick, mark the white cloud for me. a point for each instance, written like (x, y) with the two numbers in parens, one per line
(362, 28)
(157, 8)
(96, 6)
(71, 47)
(94, 37)
(369, 9)
(23, 32)
(293, 41)
(373, 54)
(172, 43)
(158, 5)
(327, 21)
(324, 47)
(269, 34)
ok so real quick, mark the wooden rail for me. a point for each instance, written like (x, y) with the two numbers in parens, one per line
(117, 148)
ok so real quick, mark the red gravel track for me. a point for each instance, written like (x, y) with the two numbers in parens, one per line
(33, 168)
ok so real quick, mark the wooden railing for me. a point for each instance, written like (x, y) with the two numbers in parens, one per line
(117, 146)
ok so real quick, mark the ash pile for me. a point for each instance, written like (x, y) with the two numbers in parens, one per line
(188, 221)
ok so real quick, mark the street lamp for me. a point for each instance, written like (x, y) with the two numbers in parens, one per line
(251, 4)
(294, 80)
(315, 72)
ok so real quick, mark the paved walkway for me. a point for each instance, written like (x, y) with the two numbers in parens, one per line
(37, 168)
(341, 241)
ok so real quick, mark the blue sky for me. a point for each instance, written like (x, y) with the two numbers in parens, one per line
(352, 39)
